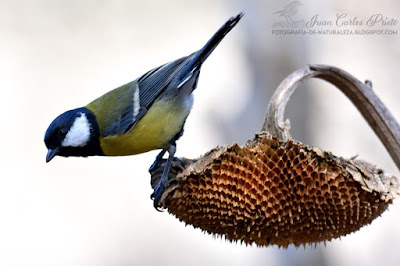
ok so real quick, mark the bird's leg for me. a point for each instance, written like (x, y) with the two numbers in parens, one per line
(164, 178)
(157, 160)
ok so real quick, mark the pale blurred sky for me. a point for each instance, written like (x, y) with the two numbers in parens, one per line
(59, 55)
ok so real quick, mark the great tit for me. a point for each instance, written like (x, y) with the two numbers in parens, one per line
(143, 115)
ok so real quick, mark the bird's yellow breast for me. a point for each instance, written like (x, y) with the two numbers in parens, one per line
(156, 128)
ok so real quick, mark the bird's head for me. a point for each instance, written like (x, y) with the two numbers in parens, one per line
(73, 133)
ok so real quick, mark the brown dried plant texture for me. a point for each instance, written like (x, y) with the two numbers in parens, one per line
(281, 193)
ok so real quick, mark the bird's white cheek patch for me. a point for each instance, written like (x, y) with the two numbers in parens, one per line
(79, 134)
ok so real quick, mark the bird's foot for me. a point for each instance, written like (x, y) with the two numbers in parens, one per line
(157, 194)
(160, 177)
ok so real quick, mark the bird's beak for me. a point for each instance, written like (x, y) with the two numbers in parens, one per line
(50, 154)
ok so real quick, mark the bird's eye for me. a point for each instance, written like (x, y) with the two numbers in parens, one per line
(62, 132)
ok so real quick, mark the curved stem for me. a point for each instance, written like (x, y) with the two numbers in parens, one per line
(361, 95)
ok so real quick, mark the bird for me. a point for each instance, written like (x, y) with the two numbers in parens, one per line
(146, 114)
(290, 10)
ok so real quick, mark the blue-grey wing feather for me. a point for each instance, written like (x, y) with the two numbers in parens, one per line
(150, 85)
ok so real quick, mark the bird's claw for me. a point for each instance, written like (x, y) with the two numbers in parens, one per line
(156, 196)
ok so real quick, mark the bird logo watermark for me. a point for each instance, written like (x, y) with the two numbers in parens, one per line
(288, 12)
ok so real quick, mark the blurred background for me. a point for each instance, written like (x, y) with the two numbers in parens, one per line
(57, 55)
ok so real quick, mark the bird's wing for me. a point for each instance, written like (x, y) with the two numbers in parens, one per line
(141, 94)
(156, 80)
(123, 107)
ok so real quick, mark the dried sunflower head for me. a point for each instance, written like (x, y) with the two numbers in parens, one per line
(274, 192)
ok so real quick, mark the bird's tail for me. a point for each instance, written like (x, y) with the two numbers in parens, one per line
(204, 52)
